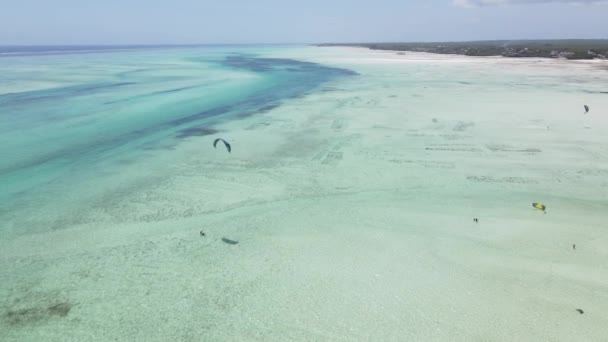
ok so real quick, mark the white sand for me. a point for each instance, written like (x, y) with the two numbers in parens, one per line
(354, 212)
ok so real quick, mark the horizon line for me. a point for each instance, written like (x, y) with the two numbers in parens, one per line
(300, 43)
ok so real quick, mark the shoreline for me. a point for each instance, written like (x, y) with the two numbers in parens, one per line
(556, 49)
(364, 55)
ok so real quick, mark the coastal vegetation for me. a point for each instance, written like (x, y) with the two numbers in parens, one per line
(567, 49)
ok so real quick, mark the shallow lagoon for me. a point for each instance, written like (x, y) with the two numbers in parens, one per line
(351, 196)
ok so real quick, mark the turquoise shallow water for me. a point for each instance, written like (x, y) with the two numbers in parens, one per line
(352, 202)
(74, 123)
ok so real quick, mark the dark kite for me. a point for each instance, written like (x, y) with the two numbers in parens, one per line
(225, 144)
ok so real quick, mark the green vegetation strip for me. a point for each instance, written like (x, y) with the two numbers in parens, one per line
(568, 49)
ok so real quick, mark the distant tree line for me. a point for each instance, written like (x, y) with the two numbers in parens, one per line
(568, 49)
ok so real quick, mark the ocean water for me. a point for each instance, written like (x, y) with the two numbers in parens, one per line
(345, 211)
(74, 118)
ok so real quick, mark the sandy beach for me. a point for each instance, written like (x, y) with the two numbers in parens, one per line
(353, 209)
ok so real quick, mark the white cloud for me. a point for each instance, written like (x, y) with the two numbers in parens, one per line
(476, 3)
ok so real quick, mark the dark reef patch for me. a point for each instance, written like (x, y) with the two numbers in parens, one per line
(293, 85)
(36, 314)
(196, 132)
(168, 91)
(595, 92)
(57, 93)
(246, 62)
(268, 108)
(228, 241)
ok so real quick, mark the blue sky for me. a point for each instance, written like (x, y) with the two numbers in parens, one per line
(33, 22)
